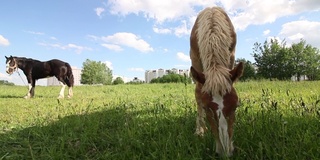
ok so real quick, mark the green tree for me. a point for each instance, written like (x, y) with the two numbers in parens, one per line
(118, 80)
(312, 62)
(248, 71)
(155, 80)
(273, 60)
(305, 60)
(298, 59)
(94, 72)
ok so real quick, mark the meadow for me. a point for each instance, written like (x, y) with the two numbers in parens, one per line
(276, 120)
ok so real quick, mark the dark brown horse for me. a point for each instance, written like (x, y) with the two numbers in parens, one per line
(35, 69)
(212, 49)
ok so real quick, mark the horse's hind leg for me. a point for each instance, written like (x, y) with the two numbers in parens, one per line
(70, 93)
(61, 94)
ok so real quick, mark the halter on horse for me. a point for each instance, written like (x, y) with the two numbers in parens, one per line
(212, 49)
(34, 70)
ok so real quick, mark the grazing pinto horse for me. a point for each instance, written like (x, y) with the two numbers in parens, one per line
(35, 70)
(212, 49)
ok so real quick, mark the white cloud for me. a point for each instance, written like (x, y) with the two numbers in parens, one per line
(53, 38)
(109, 64)
(183, 57)
(182, 29)
(99, 11)
(296, 37)
(307, 30)
(164, 10)
(36, 33)
(136, 69)
(4, 41)
(257, 12)
(129, 40)
(93, 37)
(113, 47)
(242, 13)
(161, 30)
(266, 32)
(78, 49)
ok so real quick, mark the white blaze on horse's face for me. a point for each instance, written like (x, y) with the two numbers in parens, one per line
(8, 67)
(224, 145)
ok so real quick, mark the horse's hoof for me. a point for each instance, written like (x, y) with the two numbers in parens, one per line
(199, 133)
(60, 97)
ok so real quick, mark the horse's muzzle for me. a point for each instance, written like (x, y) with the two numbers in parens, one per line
(10, 71)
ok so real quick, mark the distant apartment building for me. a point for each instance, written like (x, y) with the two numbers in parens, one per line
(151, 74)
(53, 81)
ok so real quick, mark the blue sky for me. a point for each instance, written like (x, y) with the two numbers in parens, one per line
(132, 36)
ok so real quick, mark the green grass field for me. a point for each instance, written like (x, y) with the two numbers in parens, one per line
(276, 120)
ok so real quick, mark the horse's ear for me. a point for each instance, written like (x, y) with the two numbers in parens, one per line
(237, 72)
(6, 57)
(199, 77)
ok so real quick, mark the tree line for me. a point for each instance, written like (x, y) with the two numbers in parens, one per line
(7, 83)
(97, 72)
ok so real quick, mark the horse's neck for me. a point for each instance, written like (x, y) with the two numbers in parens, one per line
(21, 63)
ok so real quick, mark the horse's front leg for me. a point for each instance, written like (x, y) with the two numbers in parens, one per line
(61, 94)
(200, 122)
(32, 84)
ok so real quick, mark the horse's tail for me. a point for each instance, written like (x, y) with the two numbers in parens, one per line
(69, 79)
(216, 41)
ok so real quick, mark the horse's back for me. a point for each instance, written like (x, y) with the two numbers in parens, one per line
(59, 66)
(41, 70)
(214, 37)
(57, 62)
(212, 48)
(49, 68)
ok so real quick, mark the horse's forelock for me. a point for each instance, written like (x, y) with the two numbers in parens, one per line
(218, 81)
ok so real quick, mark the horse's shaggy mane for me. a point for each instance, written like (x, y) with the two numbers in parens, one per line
(214, 41)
